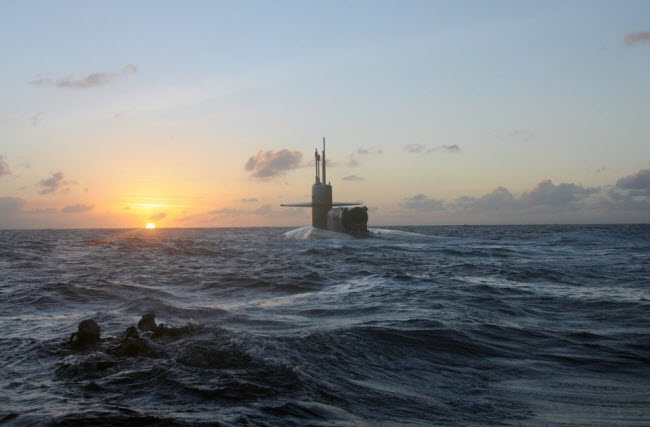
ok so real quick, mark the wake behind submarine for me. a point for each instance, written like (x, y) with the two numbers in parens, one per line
(333, 216)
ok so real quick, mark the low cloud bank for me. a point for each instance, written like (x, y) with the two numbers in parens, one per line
(631, 194)
(639, 182)
(15, 214)
(548, 194)
(545, 194)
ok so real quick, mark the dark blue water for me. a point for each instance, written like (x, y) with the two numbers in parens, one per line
(428, 325)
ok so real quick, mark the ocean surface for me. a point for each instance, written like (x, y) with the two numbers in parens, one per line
(462, 325)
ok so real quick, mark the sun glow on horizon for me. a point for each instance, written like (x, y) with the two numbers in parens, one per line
(150, 225)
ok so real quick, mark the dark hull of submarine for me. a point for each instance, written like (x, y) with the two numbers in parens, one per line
(341, 217)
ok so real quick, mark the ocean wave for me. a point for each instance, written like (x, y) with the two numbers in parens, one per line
(417, 325)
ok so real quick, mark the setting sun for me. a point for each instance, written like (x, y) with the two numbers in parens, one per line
(150, 225)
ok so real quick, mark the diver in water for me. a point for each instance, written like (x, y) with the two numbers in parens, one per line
(87, 334)
(135, 341)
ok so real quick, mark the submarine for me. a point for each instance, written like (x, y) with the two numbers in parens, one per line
(342, 217)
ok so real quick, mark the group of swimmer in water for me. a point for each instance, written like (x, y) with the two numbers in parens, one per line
(135, 341)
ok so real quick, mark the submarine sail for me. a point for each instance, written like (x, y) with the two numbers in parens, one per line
(324, 216)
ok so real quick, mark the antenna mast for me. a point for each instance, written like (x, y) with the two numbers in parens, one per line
(324, 173)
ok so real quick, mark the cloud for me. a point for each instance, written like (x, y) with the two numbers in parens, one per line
(353, 178)
(52, 184)
(638, 37)
(13, 212)
(419, 148)
(631, 192)
(637, 181)
(353, 160)
(445, 148)
(497, 199)
(547, 193)
(545, 197)
(414, 148)
(158, 216)
(78, 208)
(10, 205)
(267, 164)
(91, 80)
(627, 200)
(421, 202)
(248, 200)
(4, 167)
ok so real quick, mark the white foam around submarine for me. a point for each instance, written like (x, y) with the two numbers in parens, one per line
(316, 233)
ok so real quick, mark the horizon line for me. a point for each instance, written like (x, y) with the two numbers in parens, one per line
(378, 226)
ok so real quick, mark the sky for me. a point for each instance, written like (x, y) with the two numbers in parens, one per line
(207, 114)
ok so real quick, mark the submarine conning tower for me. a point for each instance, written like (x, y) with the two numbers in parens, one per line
(321, 193)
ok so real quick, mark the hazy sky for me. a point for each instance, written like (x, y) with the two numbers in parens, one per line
(188, 113)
